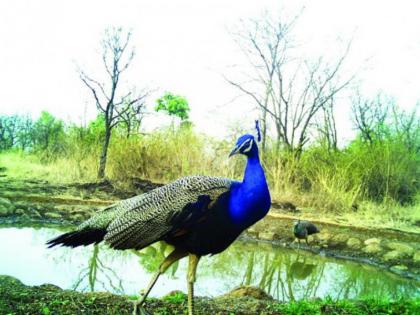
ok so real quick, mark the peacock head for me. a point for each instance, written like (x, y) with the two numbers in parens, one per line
(246, 145)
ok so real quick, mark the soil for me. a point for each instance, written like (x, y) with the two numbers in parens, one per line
(17, 298)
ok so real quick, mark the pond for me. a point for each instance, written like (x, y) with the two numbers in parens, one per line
(285, 274)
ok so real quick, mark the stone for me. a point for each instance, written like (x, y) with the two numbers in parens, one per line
(77, 217)
(416, 256)
(339, 238)
(373, 240)
(372, 248)
(252, 232)
(323, 237)
(248, 291)
(394, 255)
(53, 215)
(354, 243)
(401, 247)
(268, 236)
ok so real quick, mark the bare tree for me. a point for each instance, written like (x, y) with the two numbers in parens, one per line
(117, 57)
(132, 118)
(291, 91)
(369, 116)
(327, 128)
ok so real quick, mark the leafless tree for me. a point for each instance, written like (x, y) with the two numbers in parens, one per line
(327, 127)
(132, 118)
(407, 127)
(117, 57)
(291, 91)
(369, 115)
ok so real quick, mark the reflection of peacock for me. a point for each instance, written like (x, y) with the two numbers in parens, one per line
(198, 215)
(302, 229)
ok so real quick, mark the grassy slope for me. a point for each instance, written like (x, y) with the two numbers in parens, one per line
(17, 298)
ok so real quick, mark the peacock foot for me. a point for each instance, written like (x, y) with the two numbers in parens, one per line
(138, 308)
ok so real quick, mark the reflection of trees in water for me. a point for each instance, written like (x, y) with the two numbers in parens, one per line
(290, 275)
(111, 281)
(366, 281)
(284, 274)
(97, 273)
(152, 256)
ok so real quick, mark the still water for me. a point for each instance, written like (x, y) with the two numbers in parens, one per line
(285, 274)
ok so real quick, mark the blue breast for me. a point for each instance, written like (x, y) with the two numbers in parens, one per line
(250, 199)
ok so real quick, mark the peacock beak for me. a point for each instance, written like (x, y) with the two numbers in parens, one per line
(234, 151)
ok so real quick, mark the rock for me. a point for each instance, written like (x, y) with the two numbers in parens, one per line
(354, 243)
(268, 236)
(323, 237)
(401, 247)
(399, 268)
(53, 215)
(252, 232)
(248, 291)
(416, 256)
(372, 241)
(339, 239)
(372, 248)
(77, 217)
(394, 255)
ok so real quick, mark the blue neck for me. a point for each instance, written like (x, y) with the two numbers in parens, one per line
(254, 173)
(250, 200)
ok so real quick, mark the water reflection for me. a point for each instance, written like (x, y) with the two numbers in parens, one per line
(285, 274)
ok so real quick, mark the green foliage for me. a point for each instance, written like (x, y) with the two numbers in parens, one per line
(362, 307)
(176, 298)
(15, 131)
(173, 105)
(383, 170)
(48, 133)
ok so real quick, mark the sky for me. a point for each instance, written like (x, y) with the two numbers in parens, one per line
(186, 47)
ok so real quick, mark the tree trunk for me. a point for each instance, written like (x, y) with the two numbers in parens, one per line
(104, 154)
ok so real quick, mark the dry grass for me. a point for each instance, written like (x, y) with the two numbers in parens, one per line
(321, 182)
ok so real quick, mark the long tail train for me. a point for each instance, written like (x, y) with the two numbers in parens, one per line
(78, 238)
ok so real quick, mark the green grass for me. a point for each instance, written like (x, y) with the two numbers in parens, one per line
(359, 307)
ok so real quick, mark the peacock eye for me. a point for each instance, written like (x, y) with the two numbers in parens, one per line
(248, 147)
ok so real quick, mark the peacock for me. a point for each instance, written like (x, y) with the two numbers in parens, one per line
(199, 215)
(302, 229)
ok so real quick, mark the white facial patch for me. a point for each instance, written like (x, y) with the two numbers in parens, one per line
(251, 142)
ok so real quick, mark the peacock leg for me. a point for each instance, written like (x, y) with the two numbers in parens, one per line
(176, 254)
(192, 268)
(306, 239)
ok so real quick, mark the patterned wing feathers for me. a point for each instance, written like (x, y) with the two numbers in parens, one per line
(143, 220)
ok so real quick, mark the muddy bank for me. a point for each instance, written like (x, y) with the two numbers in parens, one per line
(17, 298)
(397, 251)
(42, 202)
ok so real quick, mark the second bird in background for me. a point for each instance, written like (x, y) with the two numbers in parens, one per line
(302, 229)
